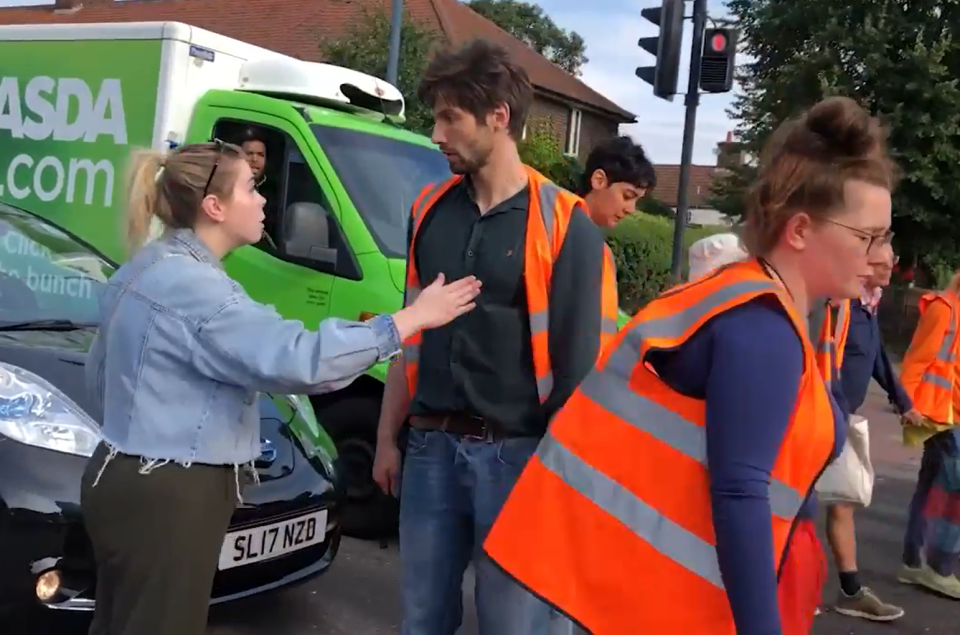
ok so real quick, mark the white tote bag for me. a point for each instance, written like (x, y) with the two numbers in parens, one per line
(849, 479)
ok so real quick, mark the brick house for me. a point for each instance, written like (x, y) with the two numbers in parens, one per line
(699, 189)
(577, 116)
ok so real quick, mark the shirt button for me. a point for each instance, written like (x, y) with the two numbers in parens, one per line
(470, 254)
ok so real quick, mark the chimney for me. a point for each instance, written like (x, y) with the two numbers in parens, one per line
(67, 6)
(729, 153)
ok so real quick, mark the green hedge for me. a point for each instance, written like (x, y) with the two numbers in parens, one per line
(642, 245)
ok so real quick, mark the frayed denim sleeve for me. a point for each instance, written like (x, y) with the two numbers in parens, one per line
(249, 344)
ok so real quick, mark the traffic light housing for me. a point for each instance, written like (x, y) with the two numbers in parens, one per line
(718, 60)
(666, 47)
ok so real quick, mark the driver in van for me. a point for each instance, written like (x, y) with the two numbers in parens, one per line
(254, 146)
(256, 151)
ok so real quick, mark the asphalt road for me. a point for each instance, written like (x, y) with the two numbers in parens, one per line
(359, 596)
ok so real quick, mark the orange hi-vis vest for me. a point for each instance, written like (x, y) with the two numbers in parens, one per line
(611, 520)
(832, 341)
(934, 396)
(548, 217)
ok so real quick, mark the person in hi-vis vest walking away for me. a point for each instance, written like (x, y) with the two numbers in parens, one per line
(673, 490)
(929, 374)
(480, 393)
(851, 355)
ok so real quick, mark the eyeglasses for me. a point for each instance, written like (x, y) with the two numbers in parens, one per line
(873, 240)
(216, 164)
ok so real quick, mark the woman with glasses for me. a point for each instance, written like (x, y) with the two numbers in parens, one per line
(176, 366)
(929, 374)
(673, 492)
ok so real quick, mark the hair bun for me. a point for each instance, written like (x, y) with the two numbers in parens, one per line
(844, 129)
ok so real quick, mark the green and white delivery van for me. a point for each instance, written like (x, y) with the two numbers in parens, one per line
(341, 174)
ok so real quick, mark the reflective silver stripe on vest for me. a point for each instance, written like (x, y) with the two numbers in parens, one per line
(411, 352)
(664, 535)
(940, 382)
(609, 388)
(540, 321)
(945, 354)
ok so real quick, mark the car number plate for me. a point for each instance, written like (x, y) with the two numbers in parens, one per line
(269, 541)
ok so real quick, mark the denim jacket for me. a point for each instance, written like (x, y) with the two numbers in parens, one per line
(182, 351)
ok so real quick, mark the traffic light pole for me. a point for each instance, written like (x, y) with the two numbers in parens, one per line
(691, 102)
(393, 54)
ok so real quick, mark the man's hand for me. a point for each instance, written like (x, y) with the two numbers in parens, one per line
(913, 417)
(386, 468)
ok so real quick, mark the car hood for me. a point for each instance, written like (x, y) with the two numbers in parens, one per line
(59, 357)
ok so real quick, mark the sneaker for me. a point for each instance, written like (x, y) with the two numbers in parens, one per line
(945, 585)
(909, 575)
(867, 605)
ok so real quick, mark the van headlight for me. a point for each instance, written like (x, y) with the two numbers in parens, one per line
(33, 411)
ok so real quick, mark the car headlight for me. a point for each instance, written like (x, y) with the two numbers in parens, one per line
(33, 411)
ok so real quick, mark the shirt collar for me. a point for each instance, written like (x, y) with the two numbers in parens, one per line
(188, 240)
(519, 201)
(870, 298)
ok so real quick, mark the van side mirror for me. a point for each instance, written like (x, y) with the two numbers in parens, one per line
(306, 233)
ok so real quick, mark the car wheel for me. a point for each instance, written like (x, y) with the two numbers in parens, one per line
(352, 424)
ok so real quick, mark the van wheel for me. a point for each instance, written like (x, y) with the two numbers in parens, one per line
(352, 424)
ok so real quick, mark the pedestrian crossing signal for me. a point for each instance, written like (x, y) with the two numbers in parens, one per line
(718, 60)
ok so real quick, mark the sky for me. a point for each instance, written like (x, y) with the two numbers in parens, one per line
(611, 29)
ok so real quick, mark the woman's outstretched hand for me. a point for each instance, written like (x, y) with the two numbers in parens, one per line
(438, 304)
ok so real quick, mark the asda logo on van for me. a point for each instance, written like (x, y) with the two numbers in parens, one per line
(52, 133)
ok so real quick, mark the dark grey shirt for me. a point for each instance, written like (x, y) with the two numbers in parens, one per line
(481, 364)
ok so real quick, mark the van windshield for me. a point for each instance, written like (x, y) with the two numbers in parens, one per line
(382, 177)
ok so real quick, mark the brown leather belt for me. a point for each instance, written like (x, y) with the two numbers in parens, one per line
(459, 423)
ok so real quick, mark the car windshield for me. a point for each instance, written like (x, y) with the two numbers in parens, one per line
(383, 177)
(45, 274)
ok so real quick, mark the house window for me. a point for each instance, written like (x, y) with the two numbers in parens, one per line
(573, 136)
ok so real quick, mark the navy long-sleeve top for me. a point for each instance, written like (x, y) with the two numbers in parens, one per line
(865, 358)
(746, 364)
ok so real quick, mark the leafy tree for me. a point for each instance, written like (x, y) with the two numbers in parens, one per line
(900, 60)
(364, 47)
(528, 23)
(541, 151)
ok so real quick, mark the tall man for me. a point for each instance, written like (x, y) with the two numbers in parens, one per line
(864, 358)
(479, 392)
(617, 175)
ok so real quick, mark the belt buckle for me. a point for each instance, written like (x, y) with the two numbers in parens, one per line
(484, 434)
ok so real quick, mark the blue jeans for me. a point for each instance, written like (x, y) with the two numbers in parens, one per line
(916, 534)
(451, 491)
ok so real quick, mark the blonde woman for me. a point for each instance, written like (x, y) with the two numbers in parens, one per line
(176, 366)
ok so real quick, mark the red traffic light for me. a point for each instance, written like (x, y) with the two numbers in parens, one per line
(718, 43)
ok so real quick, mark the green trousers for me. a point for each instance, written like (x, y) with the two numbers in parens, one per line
(156, 539)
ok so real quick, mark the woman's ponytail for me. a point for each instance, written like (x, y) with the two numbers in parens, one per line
(143, 196)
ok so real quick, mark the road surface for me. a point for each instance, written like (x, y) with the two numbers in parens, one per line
(360, 594)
